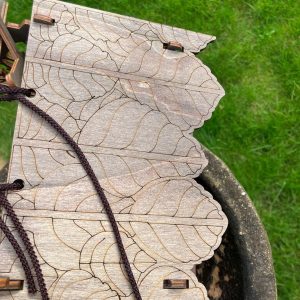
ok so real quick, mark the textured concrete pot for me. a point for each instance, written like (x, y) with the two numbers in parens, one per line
(251, 264)
(244, 260)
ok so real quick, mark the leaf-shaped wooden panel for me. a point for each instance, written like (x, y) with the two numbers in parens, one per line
(131, 50)
(132, 106)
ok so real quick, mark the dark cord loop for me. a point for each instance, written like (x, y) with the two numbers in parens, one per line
(4, 203)
(5, 229)
(17, 185)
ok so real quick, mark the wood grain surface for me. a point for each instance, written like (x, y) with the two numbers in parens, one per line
(131, 105)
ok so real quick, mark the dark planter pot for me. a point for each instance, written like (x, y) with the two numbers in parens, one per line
(241, 268)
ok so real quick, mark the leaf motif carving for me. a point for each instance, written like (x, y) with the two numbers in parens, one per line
(187, 236)
(132, 106)
(78, 280)
(101, 253)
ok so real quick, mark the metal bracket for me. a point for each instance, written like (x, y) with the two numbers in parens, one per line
(7, 284)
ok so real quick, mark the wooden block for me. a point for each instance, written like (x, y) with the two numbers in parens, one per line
(132, 106)
(176, 284)
(174, 46)
(7, 284)
(4, 282)
(43, 19)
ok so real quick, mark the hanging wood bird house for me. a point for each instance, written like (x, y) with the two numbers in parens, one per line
(129, 93)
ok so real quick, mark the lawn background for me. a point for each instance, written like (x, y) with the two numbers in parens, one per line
(254, 130)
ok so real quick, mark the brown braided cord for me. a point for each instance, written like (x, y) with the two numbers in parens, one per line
(24, 237)
(9, 94)
(30, 281)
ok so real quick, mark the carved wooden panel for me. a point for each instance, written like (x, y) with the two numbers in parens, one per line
(131, 105)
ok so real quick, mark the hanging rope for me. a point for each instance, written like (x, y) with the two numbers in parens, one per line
(4, 203)
(15, 93)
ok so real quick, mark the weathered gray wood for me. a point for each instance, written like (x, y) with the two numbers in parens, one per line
(131, 105)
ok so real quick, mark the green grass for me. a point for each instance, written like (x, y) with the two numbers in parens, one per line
(254, 130)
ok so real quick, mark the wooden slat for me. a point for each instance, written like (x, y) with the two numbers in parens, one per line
(132, 106)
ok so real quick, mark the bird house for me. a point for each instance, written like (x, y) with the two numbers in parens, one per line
(130, 93)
